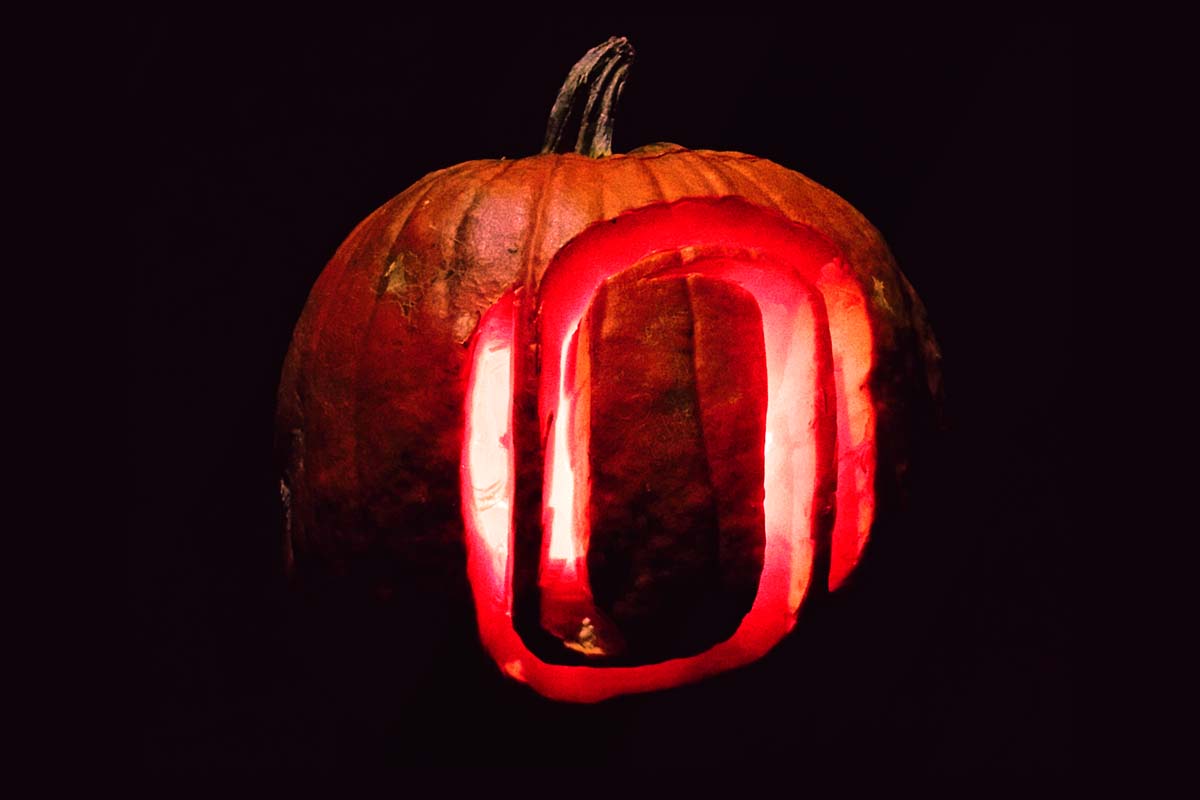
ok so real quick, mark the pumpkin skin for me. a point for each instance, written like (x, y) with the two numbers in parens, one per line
(376, 387)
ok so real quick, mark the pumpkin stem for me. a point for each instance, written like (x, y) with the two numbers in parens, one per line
(602, 70)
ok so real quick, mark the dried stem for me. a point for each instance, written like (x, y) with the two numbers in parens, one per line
(602, 70)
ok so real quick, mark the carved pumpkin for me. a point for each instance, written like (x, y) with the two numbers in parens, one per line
(660, 398)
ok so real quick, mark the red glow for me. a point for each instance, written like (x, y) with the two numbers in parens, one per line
(799, 441)
(567, 606)
(818, 346)
(488, 462)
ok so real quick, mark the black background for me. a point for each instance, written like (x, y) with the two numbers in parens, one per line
(260, 143)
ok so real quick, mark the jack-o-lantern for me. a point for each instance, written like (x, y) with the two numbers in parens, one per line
(659, 398)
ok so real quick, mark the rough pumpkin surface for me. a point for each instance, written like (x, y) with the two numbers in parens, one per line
(677, 385)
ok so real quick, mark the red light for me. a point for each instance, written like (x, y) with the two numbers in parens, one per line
(818, 451)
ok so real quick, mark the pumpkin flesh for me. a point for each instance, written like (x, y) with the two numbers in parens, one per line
(666, 386)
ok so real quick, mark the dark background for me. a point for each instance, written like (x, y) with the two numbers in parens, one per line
(260, 143)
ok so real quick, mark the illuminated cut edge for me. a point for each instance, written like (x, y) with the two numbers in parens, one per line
(488, 463)
(676, 226)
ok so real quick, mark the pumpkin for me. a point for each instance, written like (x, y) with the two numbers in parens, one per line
(653, 401)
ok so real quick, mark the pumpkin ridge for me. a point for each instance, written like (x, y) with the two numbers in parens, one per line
(692, 182)
(819, 212)
(394, 247)
(357, 241)
(692, 312)
(610, 200)
(713, 165)
(360, 380)
(730, 540)
(597, 206)
(656, 187)
(709, 477)
(338, 297)
(459, 257)
(735, 182)
(343, 295)
(427, 184)
(534, 240)
(665, 178)
(696, 164)
(772, 197)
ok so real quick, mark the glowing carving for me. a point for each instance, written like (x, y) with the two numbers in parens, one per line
(818, 450)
